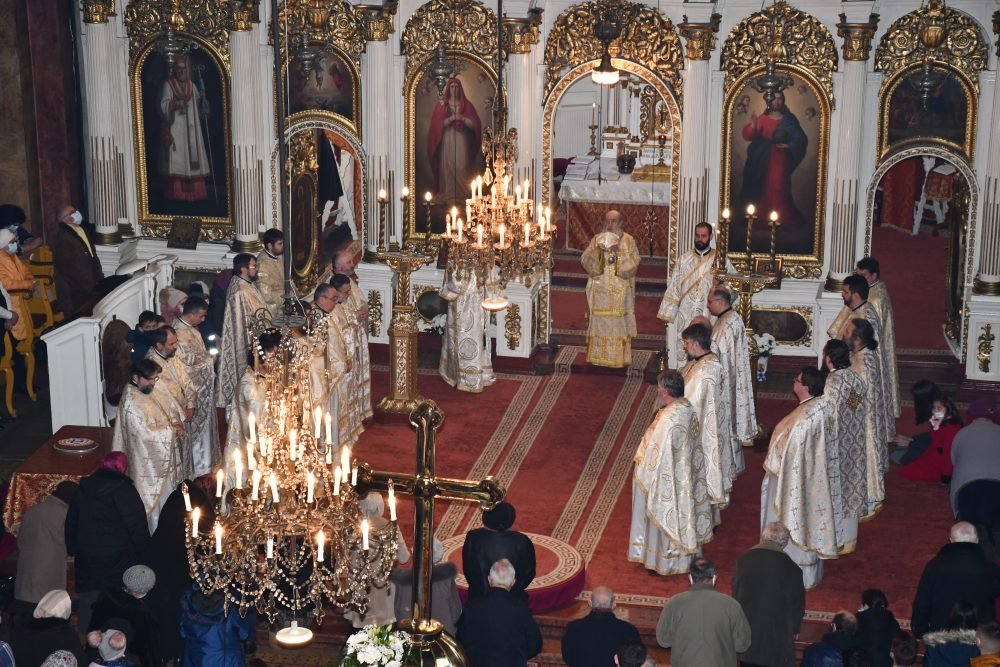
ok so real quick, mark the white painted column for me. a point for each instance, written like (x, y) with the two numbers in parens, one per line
(699, 40)
(377, 119)
(524, 93)
(846, 190)
(987, 280)
(248, 161)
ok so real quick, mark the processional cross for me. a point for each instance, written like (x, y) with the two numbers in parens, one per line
(429, 640)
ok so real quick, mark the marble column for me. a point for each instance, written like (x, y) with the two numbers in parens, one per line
(699, 40)
(248, 167)
(524, 90)
(987, 280)
(846, 190)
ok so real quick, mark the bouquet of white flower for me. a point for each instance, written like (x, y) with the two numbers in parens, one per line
(765, 344)
(376, 645)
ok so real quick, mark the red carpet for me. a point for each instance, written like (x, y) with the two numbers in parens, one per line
(907, 262)
(563, 446)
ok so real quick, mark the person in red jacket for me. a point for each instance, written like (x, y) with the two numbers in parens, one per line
(934, 465)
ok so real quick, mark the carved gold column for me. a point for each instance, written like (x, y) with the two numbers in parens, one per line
(699, 37)
(524, 85)
(846, 189)
(987, 280)
(248, 164)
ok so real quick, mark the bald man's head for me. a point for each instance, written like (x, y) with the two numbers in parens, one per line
(613, 221)
(343, 262)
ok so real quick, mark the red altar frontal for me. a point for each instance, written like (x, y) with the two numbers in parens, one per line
(647, 224)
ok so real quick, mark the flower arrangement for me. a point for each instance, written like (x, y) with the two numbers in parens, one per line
(435, 326)
(376, 645)
(765, 344)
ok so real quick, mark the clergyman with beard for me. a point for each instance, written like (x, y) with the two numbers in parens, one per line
(243, 299)
(149, 433)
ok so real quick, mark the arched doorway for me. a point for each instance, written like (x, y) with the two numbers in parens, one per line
(921, 210)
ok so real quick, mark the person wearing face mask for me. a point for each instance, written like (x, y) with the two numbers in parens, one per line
(935, 465)
(13, 218)
(77, 268)
(149, 431)
(14, 275)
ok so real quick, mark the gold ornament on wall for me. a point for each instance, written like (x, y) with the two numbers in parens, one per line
(374, 313)
(242, 15)
(857, 37)
(937, 31)
(97, 11)
(457, 25)
(207, 20)
(337, 24)
(376, 20)
(699, 38)
(512, 326)
(648, 38)
(519, 35)
(986, 339)
(799, 39)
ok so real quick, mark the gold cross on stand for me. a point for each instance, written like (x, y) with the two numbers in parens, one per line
(432, 645)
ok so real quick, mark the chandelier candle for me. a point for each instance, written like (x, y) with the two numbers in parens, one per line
(238, 467)
(219, 476)
(270, 548)
(392, 502)
(218, 538)
(195, 515)
(251, 459)
(252, 423)
(273, 482)
(364, 534)
(320, 541)
(318, 421)
(336, 481)
(255, 492)
(345, 461)
(187, 497)
(310, 486)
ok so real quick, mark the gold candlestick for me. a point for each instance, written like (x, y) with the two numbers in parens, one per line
(722, 245)
(774, 224)
(383, 224)
(751, 216)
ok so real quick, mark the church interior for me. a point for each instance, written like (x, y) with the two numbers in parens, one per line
(464, 162)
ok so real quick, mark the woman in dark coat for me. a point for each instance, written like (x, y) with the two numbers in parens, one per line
(876, 627)
(106, 530)
(35, 636)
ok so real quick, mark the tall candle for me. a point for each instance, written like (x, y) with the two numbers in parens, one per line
(405, 192)
(527, 184)
(479, 234)
(392, 502)
(459, 223)
(354, 475)
(479, 186)
(345, 460)
(527, 233)
(336, 481)
(195, 515)
(255, 494)
(218, 538)
(317, 421)
(329, 454)
(273, 482)
(238, 467)
(187, 497)
(320, 540)
(593, 113)
(251, 459)
(252, 422)
(517, 195)
(472, 188)
(454, 213)
(428, 197)
(725, 214)
(310, 486)
(503, 230)
(364, 534)
(447, 226)
(218, 484)
(270, 548)
(293, 443)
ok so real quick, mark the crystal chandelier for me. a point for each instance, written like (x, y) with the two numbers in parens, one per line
(287, 537)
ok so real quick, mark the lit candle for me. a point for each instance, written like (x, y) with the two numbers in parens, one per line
(517, 195)
(310, 486)
(238, 466)
(593, 113)
(255, 494)
(527, 233)
(187, 497)
(354, 475)
(392, 502)
(725, 214)
(251, 459)
(345, 460)
(329, 454)
(320, 541)
(428, 197)
(270, 548)
(328, 421)
(479, 234)
(218, 483)
(405, 192)
(336, 481)
(468, 212)
(447, 226)
(503, 231)
(527, 184)
(218, 538)
(454, 213)
(381, 195)
(774, 216)
(293, 443)
(459, 225)
(317, 421)
(195, 515)
(364, 534)
(273, 482)
(541, 223)
(479, 186)
(750, 209)
(472, 188)
(252, 422)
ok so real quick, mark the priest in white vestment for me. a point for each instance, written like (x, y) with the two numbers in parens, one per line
(249, 398)
(866, 362)
(184, 164)
(671, 511)
(729, 337)
(611, 261)
(199, 366)
(343, 263)
(330, 364)
(703, 389)
(686, 295)
(466, 358)
(802, 488)
(147, 431)
(846, 393)
(878, 297)
(243, 300)
(271, 271)
(346, 320)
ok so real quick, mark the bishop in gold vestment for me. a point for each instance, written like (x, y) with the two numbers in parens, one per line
(802, 488)
(671, 512)
(611, 261)
(243, 299)
(331, 363)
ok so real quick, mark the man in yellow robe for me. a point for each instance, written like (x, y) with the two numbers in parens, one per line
(345, 319)
(243, 300)
(343, 263)
(671, 512)
(199, 366)
(802, 488)
(249, 397)
(878, 297)
(330, 364)
(174, 385)
(271, 270)
(611, 261)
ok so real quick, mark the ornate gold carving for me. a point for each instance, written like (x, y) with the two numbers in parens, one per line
(242, 15)
(337, 24)
(206, 20)
(519, 35)
(803, 41)
(97, 11)
(857, 37)
(542, 314)
(699, 38)
(465, 26)
(648, 38)
(512, 326)
(303, 163)
(376, 20)
(374, 313)
(916, 34)
(986, 339)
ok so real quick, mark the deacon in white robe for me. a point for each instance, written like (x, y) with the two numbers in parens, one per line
(147, 431)
(703, 388)
(330, 363)
(686, 295)
(346, 321)
(199, 366)
(671, 512)
(845, 391)
(802, 487)
(866, 362)
(611, 261)
(243, 301)
(729, 335)
(271, 271)
(466, 359)
(343, 263)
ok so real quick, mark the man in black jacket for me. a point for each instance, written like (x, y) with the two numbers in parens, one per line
(497, 628)
(592, 641)
(960, 571)
(768, 585)
(485, 546)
